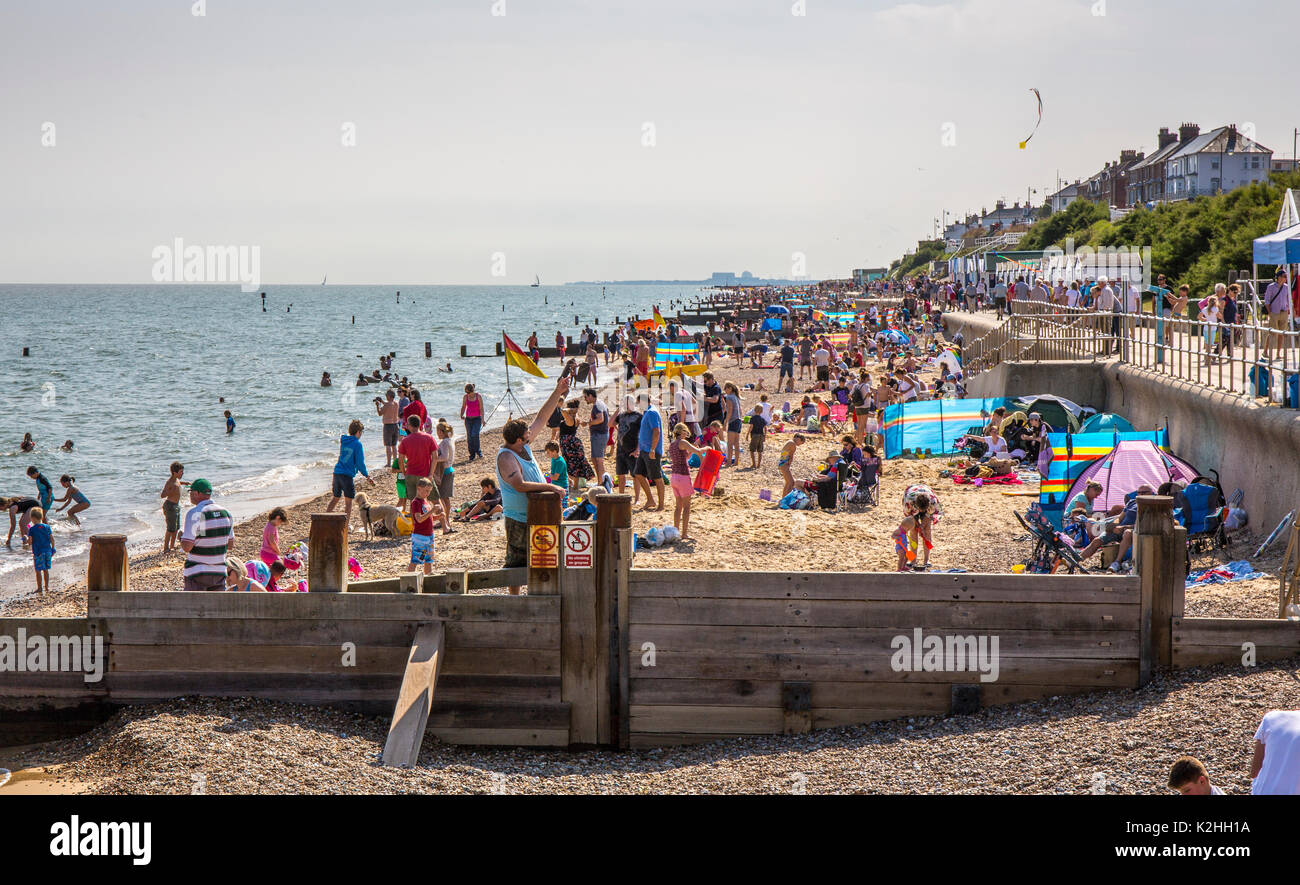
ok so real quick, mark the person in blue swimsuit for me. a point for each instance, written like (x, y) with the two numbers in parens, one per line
(72, 495)
(45, 492)
(230, 422)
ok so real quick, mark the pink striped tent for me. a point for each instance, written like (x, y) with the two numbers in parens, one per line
(1129, 464)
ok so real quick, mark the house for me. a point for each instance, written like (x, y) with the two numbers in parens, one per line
(1058, 201)
(864, 275)
(1004, 216)
(1145, 179)
(1218, 161)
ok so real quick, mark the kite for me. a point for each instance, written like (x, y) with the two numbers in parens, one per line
(1038, 96)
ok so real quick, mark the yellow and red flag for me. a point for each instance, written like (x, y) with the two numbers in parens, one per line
(516, 357)
(659, 318)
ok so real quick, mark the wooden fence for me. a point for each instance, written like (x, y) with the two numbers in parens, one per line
(603, 654)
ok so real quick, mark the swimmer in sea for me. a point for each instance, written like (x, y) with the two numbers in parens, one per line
(230, 422)
(72, 495)
(447, 369)
(28, 444)
(325, 379)
(67, 445)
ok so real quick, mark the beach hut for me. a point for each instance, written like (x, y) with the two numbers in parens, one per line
(1128, 465)
(1106, 422)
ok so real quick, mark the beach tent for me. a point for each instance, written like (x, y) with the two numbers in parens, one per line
(1067, 455)
(1128, 465)
(1105, 422)
(1061, 413)
(934, 424)
(1280, 248)
(771, 324)
(773, 309)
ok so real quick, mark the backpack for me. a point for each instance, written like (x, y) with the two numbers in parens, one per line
(856, 397)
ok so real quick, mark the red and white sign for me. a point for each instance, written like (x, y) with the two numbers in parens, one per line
(577, 546)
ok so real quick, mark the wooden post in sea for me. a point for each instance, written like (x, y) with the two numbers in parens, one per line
(463, 350)
(613, 545)
(428, 349)
(544, 514)
(107, 567)
(327, 548)
(1159, 563)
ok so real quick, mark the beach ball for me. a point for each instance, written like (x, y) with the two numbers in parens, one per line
(693, 461)
(258, 571)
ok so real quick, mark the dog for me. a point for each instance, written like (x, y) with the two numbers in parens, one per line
(373, 516)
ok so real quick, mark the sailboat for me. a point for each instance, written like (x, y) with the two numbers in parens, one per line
(324, 278)
(537, 281)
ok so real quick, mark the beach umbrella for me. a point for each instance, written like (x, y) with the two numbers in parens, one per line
(774, 309)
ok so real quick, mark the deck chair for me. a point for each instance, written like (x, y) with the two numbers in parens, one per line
(865, 486)
(1204, 514)
(836, 418)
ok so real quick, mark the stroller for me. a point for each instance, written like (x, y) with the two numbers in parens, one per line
(1053, 550)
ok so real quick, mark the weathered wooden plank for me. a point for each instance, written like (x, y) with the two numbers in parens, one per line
(503, 737)
(1225, 631)
(902, 615)
(877, 668)
(45, 684)
(886, 586)
(579, 655)
(1230, 655)
(748, 720)
(932, 697)
(324, 631)
(493, 578)
(49, 626)
(383, 606)
(322, 659)
(859, 640)
(415, 698)
(316, 689)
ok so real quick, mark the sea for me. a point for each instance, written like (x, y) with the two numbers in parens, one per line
(135, 377)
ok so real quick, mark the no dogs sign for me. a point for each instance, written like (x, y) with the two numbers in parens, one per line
(543, 546)
(577, 546)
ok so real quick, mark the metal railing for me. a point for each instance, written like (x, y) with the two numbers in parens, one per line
(1250, 360)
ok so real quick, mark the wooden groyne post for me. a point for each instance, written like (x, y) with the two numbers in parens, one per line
(544, 513)
(107, 567)
(1159, 551)
(327, 545)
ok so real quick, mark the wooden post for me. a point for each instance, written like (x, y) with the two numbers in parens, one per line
(613, 559)
(428, 349)
(581, 635)
(543, 543)
(327, 547)
(108, 567)
(464, 350)
(1159, 565)
(415, 697)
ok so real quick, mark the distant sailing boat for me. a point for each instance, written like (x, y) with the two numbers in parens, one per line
(537, 281)
(323, 279)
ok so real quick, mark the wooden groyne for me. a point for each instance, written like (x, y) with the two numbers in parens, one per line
(600, 653)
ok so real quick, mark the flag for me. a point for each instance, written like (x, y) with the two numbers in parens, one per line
(659, 318)
(516, 357)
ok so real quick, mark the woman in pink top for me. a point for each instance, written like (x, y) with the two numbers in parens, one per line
(471, 412)
(270, 553)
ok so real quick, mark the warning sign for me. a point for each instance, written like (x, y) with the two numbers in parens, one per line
(577, 546)
(543, 546)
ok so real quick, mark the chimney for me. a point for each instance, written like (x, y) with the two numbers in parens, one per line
(1127, 156)
(1165, 137)
(1188, 131)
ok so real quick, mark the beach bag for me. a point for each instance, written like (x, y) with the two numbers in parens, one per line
(795, 500)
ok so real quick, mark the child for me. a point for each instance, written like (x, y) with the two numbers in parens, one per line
(423, 513)
(766, 407)
(72, 495)
(679, 450)
(277, 572)
(230, 422)
(712, 438)
(757, 433)
(44, 491)
(171, 495)
(445, 470)
(914, 530)
(270, 553)
(558, 474)
(42, 540)
(488, 505)
(786, 459)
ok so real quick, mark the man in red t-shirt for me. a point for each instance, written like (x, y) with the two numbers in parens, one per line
(415, 456)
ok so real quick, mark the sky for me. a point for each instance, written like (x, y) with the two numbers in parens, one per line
(483, 142)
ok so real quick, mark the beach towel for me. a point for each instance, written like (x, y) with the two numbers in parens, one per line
(1228, 573)
(1009, 480)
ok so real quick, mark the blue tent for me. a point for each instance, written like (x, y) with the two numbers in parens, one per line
(1066, 455)
(771, 323)
(1280, 247)
(773, 309)
(934, 424)
(1105, 422)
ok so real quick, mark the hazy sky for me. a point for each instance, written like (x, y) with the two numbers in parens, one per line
(523, 134)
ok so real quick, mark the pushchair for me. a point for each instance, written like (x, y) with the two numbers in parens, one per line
(1053, 549)
(1204, 513)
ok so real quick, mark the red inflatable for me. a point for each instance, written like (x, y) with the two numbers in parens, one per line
(707, 477)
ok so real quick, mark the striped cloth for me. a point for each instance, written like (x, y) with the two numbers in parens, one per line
(211, 528)
(674, 352)
(838, 340)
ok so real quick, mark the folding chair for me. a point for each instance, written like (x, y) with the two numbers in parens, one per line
(866, 489)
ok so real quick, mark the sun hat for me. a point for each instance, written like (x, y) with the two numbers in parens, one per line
(202, 486)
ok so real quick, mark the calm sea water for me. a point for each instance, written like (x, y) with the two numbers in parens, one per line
(133, 375)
